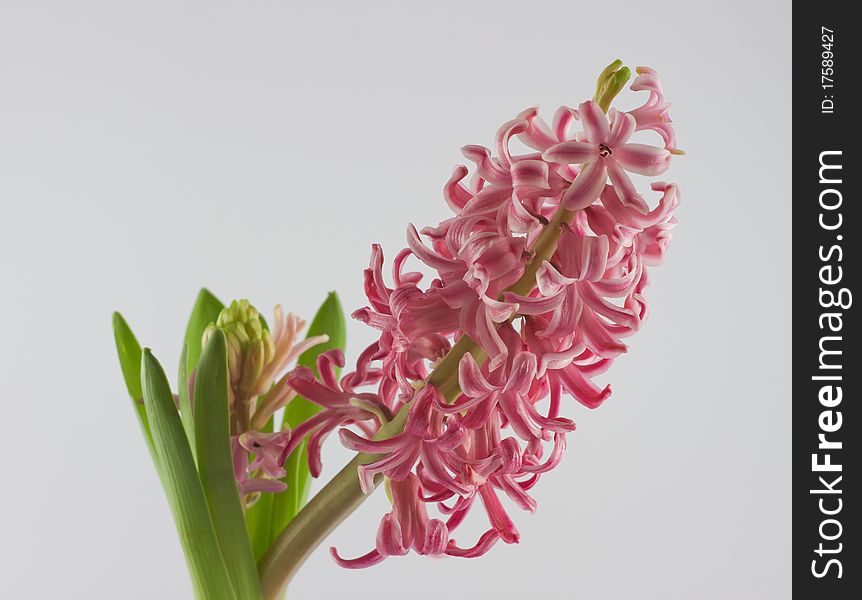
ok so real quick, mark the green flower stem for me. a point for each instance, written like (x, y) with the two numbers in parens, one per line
(342, 495)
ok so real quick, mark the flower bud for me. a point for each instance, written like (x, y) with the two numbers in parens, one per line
(250, 346)
(611, 81)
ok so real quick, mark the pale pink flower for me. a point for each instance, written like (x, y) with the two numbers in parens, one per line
(266, 449)
(604, 151)
(247, 479)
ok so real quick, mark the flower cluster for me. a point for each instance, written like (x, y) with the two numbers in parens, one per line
(257, 360)
(539, 277)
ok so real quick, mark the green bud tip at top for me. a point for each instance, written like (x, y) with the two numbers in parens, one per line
(611, 81)
(250, 346)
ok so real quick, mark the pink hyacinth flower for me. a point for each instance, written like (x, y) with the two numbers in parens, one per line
(605, 151)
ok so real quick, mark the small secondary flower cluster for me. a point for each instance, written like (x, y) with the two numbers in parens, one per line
(540, 325)
(258, 388)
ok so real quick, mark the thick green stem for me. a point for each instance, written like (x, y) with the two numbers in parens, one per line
(342, 495)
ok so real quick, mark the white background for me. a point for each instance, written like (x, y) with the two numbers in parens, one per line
(150, 148)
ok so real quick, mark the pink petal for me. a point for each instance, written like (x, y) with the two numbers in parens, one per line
(436, 538)
(598, 338)
(586, 187)
(456, 195)
(357, 443)
(642, 159)
(432, 259)
(530, 173)
(594, 257)
(580, 388)
(520, 220)
(473, 384)
(362, 562)
(489, 168)
(549, 281)
(486, 541)
(497, 515)
(572, 153)
(389, 537)
(504, 134)
(562, 119)
(537, 135)
(623, 125)
(535, 306)
(522, 373)
(595, 122)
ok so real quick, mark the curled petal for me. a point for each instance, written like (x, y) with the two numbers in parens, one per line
(419, 419)
(504, 134)
(537, 135)
(558, 360)
(485, 543)
(362, 562)
(389, 537)
(457, 195)
(517, 494)
(357, 443)
(564, 116)
(598, 337)
(473, 383)
(427, 256)
(522, 373)
(550, 281)
(535, 305)
(555, 457)
(580, 388)
(520, 220)
(530, 173)
(489, 168)
(616, 314)
(436, 538)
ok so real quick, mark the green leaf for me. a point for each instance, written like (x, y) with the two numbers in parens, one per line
(182, 486)
(205, 311)
(215, 463)
(129, 352)
(329, 320)
(185, 403)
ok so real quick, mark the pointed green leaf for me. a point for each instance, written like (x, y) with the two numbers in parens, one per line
(329, 320)
(205, 311)
(129, 352)
(212, 433)
(182, 486)
(185, 403)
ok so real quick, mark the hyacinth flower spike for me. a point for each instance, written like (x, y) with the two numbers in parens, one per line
(540, 274)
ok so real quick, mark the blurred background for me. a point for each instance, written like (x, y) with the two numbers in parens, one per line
(148, 149)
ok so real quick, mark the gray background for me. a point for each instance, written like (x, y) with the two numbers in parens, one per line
(149, 148)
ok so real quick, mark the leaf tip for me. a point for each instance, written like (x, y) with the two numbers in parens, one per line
(117, 321)
(205, 295)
